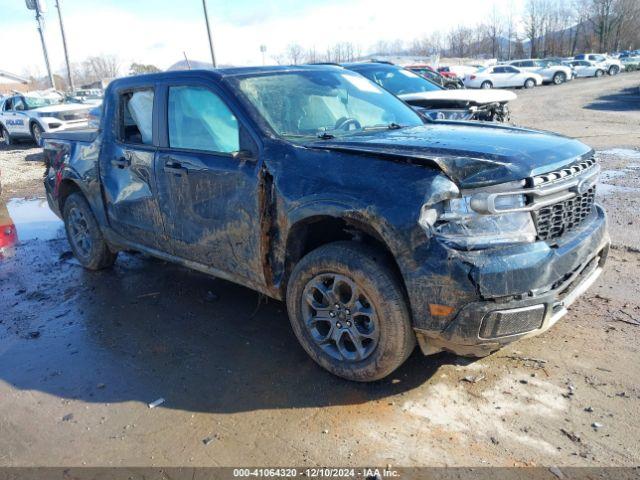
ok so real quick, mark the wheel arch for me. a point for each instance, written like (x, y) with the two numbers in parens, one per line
(35, 121)
(314, 231)
(65, 188)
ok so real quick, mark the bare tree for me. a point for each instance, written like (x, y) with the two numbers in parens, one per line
(295, 53)
(101, 67)
(532, 23)
(312, 56)
(510, 24)
(494, 31)
(459, 41)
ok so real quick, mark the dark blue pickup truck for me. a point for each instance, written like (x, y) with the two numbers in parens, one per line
(313, 185)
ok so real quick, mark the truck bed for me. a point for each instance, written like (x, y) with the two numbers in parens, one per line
(84, 135)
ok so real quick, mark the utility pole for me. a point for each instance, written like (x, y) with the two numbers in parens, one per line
(39, 7)
(263, 49)
(64, 45)
(206, 19)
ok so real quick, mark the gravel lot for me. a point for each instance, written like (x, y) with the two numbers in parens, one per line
(82, 354)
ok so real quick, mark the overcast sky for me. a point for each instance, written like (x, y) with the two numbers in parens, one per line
(159, 31)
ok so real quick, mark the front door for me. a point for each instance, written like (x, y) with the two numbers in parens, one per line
(17, 121)
(208, 190)
(512, 77)
(127, 170)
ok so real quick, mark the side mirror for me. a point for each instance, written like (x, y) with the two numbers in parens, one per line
(243, 155)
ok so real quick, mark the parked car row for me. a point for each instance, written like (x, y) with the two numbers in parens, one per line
(440, 93)
(527, 73)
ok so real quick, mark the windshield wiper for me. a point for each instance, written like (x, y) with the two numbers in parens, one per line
(389, 126)
(326, 136)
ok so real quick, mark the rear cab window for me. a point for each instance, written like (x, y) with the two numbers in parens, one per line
(135, 116)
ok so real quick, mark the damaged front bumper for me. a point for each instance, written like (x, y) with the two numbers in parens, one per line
(525, 290)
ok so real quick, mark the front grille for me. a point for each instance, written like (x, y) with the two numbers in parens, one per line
(555, 220)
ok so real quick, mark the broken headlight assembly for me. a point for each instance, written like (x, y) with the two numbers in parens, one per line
(457, 223)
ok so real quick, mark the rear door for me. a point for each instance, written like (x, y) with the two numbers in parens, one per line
(209, 180)
(127, 168)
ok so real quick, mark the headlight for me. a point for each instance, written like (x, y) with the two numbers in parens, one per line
(457, 224)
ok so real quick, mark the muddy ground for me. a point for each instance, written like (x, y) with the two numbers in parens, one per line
(82, 354)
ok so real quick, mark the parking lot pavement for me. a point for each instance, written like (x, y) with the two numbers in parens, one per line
(82, 354)
(602, 112)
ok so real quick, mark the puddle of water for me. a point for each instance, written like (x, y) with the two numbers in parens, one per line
(34, 220)
(622, 152)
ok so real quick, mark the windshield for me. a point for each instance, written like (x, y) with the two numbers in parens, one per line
(37, 102)
(324, 103)
(397, 80)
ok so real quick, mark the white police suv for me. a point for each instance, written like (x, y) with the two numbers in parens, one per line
(29, 115)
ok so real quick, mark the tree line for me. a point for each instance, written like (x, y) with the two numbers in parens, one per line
(543, 28)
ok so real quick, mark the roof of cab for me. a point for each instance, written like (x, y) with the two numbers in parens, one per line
(218, 73)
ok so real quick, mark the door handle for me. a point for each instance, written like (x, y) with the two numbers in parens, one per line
(121, 162)
(175, 167)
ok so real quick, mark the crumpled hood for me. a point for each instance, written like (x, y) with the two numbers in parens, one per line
(471, 154)
(480, 97)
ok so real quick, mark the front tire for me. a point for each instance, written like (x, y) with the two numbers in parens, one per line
(614, 70)
(529, 83)
(599, 73)
(36, 134)
(349, 312)
(84, 235)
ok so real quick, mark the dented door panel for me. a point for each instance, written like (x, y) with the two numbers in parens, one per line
(210, 206)
(130, 195)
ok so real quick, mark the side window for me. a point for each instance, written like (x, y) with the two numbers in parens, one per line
(136, 117)
(18, 104)
(498, 70)
(200, 120)
(8, 105)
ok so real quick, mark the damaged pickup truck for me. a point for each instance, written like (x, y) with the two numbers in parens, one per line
(315, 186)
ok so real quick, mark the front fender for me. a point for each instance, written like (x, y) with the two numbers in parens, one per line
(354, 212)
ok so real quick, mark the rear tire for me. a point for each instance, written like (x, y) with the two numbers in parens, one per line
(529, 83)
(348, 310)
(559, 78)
(614, 70)
(486, 84)
(6, 137)
(84, 235)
